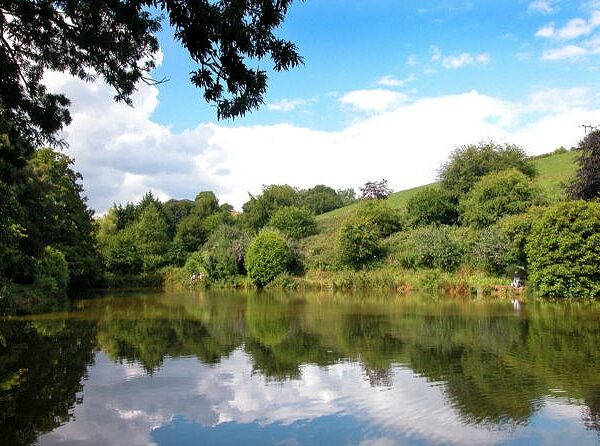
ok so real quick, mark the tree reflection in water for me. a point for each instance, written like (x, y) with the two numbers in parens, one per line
(496, 368)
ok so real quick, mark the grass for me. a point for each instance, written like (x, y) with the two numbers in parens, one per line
(553, 172)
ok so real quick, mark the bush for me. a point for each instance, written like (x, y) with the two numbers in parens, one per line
(491, 250)
(268, 255)
(563, 251)
(358, 241)
(431, 247)
(497, 195)
(294, 222)
(321, 199)
(432, 206)
(516, 229)
(386, 219)
(467, 164)
(222, 256)
(52, 272)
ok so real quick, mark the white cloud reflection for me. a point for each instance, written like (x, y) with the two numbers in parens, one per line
(120, 410)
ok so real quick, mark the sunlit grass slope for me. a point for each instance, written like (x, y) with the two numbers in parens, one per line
(553, 171)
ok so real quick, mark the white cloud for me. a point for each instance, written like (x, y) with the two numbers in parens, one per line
(412, 60)
(565, 52)
(377, 100)
(574, 28)
(546, 31)
(285, 105)
(122, 153)
(542, 6)
(465, 59)
(390, 81)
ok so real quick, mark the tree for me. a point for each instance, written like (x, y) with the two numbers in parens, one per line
(115, 40)
(587, 182)
(151, 237)
(321, 199)
(294, 222)
(56, 214)
(258, 210)
(432, 206)
(497, 195)
(375, 190)
(467, 164)
(563, 249)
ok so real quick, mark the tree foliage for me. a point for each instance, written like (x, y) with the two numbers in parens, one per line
(432, 206)
(294, 222)
(268, 255)
(563, 250)
(358, 242)
(467, 164)
(375, 190)
(497, 195)
(81, 38)
(258, 210)
(587, 182)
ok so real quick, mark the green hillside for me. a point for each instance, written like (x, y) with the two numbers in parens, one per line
(553, 171)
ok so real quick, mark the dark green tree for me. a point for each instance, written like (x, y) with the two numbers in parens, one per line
(587, 182)
(57, 215)
(224, 38)
(258, 210)
(321, 199)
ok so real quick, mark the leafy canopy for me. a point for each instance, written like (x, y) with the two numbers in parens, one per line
(115, 40)
(467, 164)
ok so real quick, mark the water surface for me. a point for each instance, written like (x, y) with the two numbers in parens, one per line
(235, 368)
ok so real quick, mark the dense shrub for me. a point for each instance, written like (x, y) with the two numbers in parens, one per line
(587, 181)
(52, 272)
(358, 241)
(386, 219)
(563, 251)
(432, 206)
(268, 255)
(467, 164)
(294, 222)
(497, 195)
(222, 256)
(516, 229)
(491, 251)
(430, 247)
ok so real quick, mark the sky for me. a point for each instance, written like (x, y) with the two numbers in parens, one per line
(387, 90)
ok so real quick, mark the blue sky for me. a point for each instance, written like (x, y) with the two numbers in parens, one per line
(388, 89)
(359, 44)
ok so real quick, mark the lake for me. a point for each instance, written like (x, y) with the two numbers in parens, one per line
(235, 368)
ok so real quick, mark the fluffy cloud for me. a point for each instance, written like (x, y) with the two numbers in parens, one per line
(377, 100)
(573, 29)
(123, 153)
(287, 104)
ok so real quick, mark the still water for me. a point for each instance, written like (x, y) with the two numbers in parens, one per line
(255, 369)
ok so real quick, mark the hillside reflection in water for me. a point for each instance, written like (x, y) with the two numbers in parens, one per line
(236, 368)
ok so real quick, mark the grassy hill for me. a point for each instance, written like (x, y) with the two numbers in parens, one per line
(554, 170)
